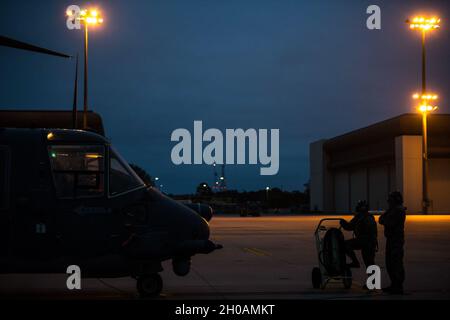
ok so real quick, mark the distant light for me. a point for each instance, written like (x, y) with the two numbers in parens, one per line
(426, 96)
(53, 154)
(89, 16)
(50, 136)
(267, 188)
(427, 108)
(204, 186)
(221, 178)
(423, 23)
(156, 178)
(428, 218)
(93, 156)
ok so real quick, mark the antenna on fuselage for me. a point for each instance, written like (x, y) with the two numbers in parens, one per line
(75, 96)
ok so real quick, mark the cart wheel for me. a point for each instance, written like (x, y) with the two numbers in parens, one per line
(149, 285)
(347, 280)
(316, 278)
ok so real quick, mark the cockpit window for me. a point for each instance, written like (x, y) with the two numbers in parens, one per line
(78, 171)
(121, 177)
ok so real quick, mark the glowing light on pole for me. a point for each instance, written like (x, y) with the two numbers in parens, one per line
(424, 25)
(87, 17)
(425, 107)
(426, 100)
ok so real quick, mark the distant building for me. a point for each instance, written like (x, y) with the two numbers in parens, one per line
(368, 163)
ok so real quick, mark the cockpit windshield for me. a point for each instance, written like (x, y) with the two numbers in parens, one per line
(121, 177)
(78, 170)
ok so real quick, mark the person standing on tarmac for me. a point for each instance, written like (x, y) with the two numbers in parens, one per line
(365, 230)
(393, 221)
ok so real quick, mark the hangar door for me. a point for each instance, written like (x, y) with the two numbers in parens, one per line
(370, 184)
(378, 187)
(358, 187)
(439, 185)
(341, 192)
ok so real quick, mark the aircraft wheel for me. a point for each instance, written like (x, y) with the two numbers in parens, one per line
(347, 280)
(149, 285)
(316, 278)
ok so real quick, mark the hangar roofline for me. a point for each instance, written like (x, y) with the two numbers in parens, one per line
(405, 124)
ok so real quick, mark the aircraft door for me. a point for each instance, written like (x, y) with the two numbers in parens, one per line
(5, 225)
(83, 216)
(31, 208)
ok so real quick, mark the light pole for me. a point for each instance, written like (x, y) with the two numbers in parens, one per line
(267, 193)
(425, 108)
(423, 25)
(87, 17)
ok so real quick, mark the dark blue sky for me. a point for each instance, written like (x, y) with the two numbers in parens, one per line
(310, 68)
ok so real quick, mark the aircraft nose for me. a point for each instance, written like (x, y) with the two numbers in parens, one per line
(202, 229)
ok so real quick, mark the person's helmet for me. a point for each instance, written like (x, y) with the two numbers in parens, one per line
(362, 206)
(395, 198)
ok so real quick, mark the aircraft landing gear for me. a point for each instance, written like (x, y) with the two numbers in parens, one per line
(181, 267)
(149, 285)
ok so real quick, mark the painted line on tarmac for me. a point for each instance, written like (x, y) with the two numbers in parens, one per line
(257, 252)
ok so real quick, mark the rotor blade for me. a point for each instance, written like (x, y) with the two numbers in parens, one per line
(12, 43)
(75, 95)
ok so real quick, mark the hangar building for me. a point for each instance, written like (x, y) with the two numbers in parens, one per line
(368, 163)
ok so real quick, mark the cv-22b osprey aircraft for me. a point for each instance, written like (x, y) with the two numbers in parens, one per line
(67, 197)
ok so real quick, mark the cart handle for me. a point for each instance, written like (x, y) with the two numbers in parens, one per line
(326, 219)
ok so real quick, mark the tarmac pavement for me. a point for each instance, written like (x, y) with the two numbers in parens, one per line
(269, 257)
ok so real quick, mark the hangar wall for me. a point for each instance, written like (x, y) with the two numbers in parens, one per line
(408, 168)
(317, 170)
(370, 162)
(379, 186)
(371, 183)
(321, 180)
(341, 191)
(439, 177)
(374, 182)
(358, 186)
